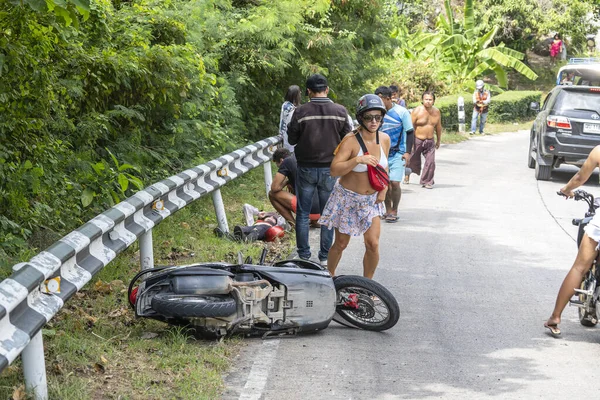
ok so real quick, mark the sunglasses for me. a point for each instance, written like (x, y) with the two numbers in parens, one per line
(369, 118)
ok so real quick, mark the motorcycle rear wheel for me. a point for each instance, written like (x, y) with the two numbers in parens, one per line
(193, 306)
(587, 318)
(377, 309)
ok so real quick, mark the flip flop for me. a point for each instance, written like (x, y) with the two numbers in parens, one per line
(391, 218)
(553, 328)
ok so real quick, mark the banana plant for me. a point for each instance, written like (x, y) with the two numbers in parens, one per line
(464, 53)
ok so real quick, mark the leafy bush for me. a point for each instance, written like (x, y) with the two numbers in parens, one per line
(505, 107)
(99, 98)
(513, 106)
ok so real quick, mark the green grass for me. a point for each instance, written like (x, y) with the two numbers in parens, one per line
(96, 349)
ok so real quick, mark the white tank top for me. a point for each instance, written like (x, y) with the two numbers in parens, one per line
(363, 167)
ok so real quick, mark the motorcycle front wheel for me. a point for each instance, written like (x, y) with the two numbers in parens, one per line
(193, 306)
(365, 303)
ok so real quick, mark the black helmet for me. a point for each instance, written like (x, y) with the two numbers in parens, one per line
(369, 102)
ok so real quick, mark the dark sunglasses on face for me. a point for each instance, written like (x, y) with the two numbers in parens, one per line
(369, 118)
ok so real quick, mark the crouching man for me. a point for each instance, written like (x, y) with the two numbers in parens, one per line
(284, 200)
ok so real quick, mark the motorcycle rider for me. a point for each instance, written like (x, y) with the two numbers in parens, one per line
(588, 250)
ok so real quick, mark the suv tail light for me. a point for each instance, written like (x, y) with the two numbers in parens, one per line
(554, 121)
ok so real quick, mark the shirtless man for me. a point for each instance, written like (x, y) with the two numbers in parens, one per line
(426, 120)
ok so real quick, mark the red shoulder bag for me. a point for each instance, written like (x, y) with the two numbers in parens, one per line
(378, 176)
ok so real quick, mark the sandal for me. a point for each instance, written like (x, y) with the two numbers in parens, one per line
(392, 218)
(553, 328)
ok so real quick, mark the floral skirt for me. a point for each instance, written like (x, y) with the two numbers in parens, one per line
(350, 212)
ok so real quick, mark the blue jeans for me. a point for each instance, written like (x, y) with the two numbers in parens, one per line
(307, 181)
(482, 120)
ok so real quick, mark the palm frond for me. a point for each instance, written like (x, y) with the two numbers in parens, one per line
(510, 52)
(484, 41)
(449, 23)
(500, 75)
(469, 19)
(506, 60)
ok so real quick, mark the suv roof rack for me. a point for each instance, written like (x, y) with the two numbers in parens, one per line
(585, 60)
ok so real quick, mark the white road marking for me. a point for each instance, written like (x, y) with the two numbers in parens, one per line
(257, 379)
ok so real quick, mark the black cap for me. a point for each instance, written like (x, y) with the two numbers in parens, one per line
(316, 83)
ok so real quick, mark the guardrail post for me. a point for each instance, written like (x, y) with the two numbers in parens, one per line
(268, 176)
(34, 368)
(146, 251)
(220, 210)
(461, 114)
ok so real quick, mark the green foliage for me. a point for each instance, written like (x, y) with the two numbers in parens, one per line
(569, 19)
(66, 10)
(513, 106)
(521, 23)
(465, 53)
(509, 106)
(98, 99)
(516, 21)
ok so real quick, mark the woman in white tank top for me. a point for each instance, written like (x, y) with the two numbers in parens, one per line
(354, 207)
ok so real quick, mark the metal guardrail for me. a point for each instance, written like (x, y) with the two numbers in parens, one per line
(28, 299)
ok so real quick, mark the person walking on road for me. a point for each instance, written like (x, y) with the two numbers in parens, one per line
(481, 104)
(426, 120)
(292, 100)
(397, 124)
(355, 208)
(316, 129)
(588, 250)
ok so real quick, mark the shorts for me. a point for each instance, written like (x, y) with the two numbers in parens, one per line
(314, 212)
(350, 212)
(397, 165)
(592, 229)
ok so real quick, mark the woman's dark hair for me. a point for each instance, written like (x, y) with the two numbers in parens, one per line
(557, 36)
(294, 95)
(428, 92)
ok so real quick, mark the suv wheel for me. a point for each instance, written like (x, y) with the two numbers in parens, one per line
(542, 172)
(530, 157)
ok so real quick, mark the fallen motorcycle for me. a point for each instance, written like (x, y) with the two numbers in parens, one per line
(289, 297)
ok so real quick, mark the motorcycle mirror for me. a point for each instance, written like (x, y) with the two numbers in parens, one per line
(240, 257)
(248, 260)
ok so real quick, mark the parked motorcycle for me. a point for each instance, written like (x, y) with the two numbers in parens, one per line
(589, 292)
(290, 297)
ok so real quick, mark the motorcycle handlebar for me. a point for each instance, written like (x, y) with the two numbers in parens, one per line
(582, 195)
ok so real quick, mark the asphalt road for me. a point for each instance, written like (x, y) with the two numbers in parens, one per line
(475, 265)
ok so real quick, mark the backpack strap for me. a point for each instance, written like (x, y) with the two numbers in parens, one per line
(361, 142)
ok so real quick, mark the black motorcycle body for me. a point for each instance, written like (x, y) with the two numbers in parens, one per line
(294, 296)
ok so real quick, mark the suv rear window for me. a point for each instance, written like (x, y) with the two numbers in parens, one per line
(570, 100)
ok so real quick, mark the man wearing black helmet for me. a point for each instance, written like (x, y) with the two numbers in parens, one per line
(316, 129)
(355, 207)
